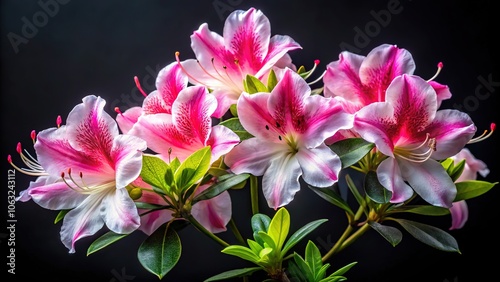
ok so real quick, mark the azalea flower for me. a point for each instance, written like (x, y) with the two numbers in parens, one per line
(409, 130)
(86, 166)
(360, 80)
(169, 82)
(187, 128)
(290, 126)
(460, 211)
(246, 48)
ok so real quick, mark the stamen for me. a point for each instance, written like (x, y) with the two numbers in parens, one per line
(184, 70)
(409, 153)
(58, 121)
(33, 167)
(485, 134)
(317, 79)
(33, 136)
(316, 63)
(138, 84)
(440, 67)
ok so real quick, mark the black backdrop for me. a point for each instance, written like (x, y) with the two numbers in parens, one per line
(54, 55)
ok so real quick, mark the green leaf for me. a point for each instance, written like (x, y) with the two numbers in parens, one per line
(354, 190)
(241, 252)
(153, 171)
(104, 241)
(374, 190)
(233, 274)
(271, 81)
(391, 234)
(321, 273)
(253, 85)
(301, 233)
(148, 206)
(295, 273)
(60, 215)
(447, 163)
(254, 246)
(271, 243)
(301, 70)
(161, 251)
(313, 257)
(235, 125)
(193, 168)
(421, 209)
(457, 170)
(472, 188)
(333, 198)
(221, 186)
(306, 273)
(343, 270)
(175, 164)
(430, 235)
(260, 222)
(351, 150)
(279, 227)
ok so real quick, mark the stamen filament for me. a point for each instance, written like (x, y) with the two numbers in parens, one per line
(317, 79)
(440, 67)
(483, 136)
(138, 85)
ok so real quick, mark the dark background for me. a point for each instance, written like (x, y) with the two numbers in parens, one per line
(96, 47)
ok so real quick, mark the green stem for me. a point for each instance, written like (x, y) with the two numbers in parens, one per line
(254, 194)
(236, 232)
(338, 244)
(354, 236)
(200, 227)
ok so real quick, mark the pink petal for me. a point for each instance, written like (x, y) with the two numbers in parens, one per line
(127, 156)
(128, 118)
(246, 36)
(119, 212)
(459, 215)
(320, 166)
(277, 55)
(221, 141)
(452, 130)
(280, 182)
(214, 214)
(389, 175)
(56, 196)
(430, 181)
(442, 91)
(152, 220)
(81, 222)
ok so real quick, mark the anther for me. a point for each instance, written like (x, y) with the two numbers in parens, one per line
(58, 121)
(138, 84)
(440, 67)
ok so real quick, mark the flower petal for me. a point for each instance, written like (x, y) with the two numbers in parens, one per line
(389, 175)
(430, 181)
(277, 55)
(452, 130)
(251, 157)
(127, 156)
(119, 212)
(214, 214)
(459, 214)
(281, 180)
(81, 222)
(320, 166)
(56, 196)
(128, 118)
(221, 141)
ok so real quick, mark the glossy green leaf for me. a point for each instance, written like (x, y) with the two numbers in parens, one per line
(148, 206)
(343, 270)
(271, 80)
(235, 273)
(472, 188)
(430, 235)
(104, 241)
(354, 190)
(253, 85)
(279, 227)
(421, 209)
(161, 251)
(271, 243)
(254, 246)
(306, 273)
(153, 171)
(241, 252)
(456, 170)
(391, 234)
(313, 257)
(235, 125)
(301, 233)
(60, 215)
(227, 182)
(351, 150)
(374, 190)
(332, 197)
(260, 222)
(193, 168)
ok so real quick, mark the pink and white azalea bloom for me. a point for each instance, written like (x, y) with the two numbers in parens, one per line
(460, 211)
(246, 48)
(187, 128)
(169, 82)
(289, 126)
(409, 130)
(93, 164)
(361, 80)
